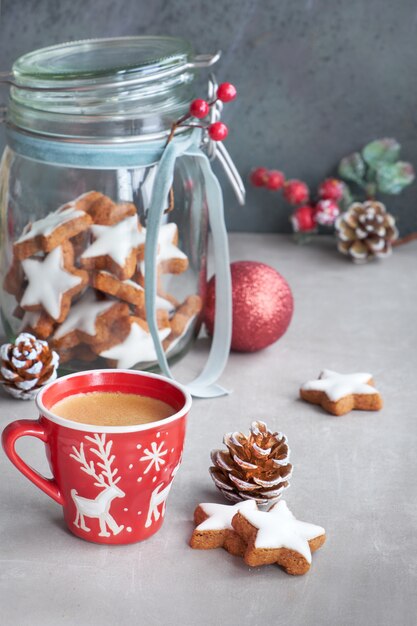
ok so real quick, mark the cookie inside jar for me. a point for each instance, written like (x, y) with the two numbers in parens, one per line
(77, 279)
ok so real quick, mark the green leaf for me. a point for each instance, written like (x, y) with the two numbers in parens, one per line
(381, 151)
(393, 177)
(352, 168)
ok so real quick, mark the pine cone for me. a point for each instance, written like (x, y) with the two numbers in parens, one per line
(366, 231)
(254, 467)
(26, 365)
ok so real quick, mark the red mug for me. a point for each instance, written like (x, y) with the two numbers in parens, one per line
(112, 481)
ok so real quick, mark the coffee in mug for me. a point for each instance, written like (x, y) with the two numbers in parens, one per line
(102, 408)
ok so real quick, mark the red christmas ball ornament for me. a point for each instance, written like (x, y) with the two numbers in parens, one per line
(296, 192)
(263, 306)
(275, 180)
(259, 176)
(226, 92)
(331, 189)
(218, 131)
(326, 212)
(303, 219)
(199, 108)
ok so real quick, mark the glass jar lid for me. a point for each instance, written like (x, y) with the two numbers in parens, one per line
(92, 60)
(104, 88)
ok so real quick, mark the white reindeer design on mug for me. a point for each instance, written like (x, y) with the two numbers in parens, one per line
(158, 497)
(99, 507)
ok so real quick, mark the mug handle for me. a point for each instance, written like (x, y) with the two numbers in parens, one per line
(29, 428)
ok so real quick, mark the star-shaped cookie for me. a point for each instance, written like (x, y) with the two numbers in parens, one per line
(170, 259)
(278, 537)
(47, 233)
(52, 282)
(136, 347)
(89, 320)
(214, 527)
(340, 393)
(115, 248)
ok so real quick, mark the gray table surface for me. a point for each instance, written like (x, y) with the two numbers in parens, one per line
(355, 475)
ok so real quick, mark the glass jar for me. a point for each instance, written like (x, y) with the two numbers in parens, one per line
(86, 125)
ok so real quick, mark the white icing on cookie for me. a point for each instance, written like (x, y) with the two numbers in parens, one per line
(47, 225)
(48, 280)
(166, 248)
(116, 241)
(136, 348)
(220, 515)
(131, 283)
(83, 315)
(278, 528)
(337, 386)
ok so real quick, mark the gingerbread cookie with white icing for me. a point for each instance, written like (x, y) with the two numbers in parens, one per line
(51, 231)
(214, 527)
(115, 248)
(340, 393)
(170, 259)
(171, 303)
(164, 307)
(130, 343)
(89, 321)
(52, 282)
(127, 290)
(276, 536)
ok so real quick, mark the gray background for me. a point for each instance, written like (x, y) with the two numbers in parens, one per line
(316, 78)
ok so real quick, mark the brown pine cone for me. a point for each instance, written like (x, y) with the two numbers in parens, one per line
(366, 231)
(254, 467)
(27, 365)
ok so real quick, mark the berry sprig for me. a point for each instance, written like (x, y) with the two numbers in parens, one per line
(309, 214)
(199, 109)
(375, 169)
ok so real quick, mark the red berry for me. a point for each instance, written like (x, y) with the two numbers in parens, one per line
(302, 219)
(275, 180)
(296, 192)
(226, 92)
(331, 189)
(199, 108)
(326, 212)
(259, 176)
(218, 131)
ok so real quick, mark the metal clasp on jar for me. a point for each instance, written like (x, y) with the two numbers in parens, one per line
(217, 150)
